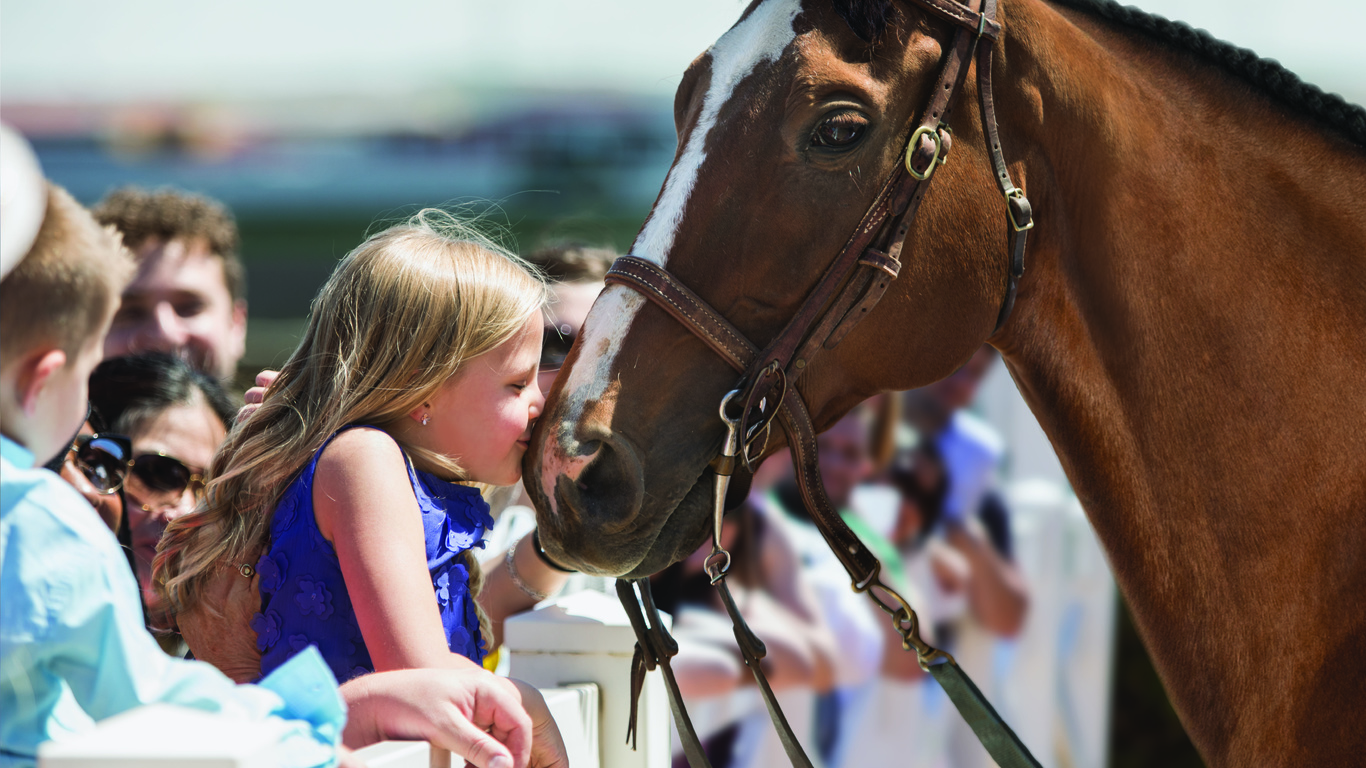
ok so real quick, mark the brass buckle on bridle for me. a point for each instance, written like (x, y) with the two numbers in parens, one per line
(935, 161)
(1015, 198)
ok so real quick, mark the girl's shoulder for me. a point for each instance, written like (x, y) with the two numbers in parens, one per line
(361, 449)
(361, 475)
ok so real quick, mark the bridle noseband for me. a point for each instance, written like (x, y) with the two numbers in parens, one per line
(851, 286)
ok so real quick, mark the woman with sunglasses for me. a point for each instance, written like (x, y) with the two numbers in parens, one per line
(174, 418)
(95, 464)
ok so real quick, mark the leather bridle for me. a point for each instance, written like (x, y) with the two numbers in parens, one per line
(852, 285)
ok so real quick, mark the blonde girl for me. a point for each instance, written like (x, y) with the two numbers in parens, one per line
(350, 496)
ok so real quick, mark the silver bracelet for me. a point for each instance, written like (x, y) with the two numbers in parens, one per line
(511, 559)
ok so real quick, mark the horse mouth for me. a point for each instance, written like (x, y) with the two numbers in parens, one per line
(684, 530)
(637, 550)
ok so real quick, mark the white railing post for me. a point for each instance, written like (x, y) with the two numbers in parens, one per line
(587, 638)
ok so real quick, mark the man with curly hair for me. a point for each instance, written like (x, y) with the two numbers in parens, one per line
(189, 294)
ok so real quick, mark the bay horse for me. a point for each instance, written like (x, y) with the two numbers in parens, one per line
(1188, 329)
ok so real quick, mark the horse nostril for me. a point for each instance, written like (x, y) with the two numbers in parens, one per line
(607, 492)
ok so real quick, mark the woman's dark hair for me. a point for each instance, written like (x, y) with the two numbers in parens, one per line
(920, 476)
(126, 392)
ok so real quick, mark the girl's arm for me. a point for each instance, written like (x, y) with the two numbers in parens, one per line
(365, 506)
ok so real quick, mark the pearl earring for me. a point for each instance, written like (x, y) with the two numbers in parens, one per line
(426, 417)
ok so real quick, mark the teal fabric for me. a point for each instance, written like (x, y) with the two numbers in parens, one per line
(73, 648)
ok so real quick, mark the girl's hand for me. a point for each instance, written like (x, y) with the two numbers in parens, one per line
(256, 395)
(547, 746)
(471, 712)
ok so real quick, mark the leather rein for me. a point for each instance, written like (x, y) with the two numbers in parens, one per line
(852, 285)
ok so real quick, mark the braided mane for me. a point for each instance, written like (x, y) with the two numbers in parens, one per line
(869, 18)
(1267, 75)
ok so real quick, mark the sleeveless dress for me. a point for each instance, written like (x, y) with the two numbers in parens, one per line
(303, 596)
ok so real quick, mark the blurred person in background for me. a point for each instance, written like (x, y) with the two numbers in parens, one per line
(189, 294)
(175, 418)
(781, 607)
(576, 272)
(846, 460)
(973, 514)
(907, 716)
(976, 524)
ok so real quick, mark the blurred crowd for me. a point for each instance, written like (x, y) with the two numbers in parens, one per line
(915, 475)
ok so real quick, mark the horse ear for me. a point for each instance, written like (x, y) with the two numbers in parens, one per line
(868, 18)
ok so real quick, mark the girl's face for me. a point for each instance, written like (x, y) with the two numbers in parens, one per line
(482, 417)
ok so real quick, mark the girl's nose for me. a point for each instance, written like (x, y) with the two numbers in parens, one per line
(537, 400)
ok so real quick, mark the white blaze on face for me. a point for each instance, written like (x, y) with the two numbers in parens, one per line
(759, 38)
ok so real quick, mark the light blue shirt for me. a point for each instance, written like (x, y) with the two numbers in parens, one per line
(74, 650)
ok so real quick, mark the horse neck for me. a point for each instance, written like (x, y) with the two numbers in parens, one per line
(1189, 334)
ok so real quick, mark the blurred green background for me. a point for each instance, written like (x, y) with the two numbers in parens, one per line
(288, 259)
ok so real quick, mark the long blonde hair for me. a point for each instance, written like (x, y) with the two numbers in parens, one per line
(397, 319)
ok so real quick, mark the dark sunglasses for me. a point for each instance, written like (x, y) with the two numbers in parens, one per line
(555, 344)
(103, 459)
(166, 474)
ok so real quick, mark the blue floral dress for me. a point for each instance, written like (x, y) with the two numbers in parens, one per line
(304, 599)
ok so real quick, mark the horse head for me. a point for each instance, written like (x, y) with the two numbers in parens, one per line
(788, 128)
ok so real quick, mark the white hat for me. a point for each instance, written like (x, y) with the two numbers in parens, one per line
(23, 198)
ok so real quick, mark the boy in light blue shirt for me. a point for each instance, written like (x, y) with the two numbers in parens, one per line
(73, 648)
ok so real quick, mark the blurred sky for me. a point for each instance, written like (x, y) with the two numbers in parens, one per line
(171, 50)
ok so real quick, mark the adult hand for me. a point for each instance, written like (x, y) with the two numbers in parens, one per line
(547, 746)
(469, 711)
(256, 395)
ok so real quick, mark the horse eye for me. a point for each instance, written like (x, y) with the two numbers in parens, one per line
(840, 131)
